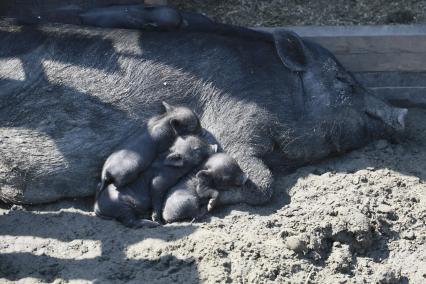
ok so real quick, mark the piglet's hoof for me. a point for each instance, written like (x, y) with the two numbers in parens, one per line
(211, 205)
(156, 218)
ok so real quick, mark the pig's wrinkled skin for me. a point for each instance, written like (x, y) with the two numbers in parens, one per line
(70, 95)
(126, 204)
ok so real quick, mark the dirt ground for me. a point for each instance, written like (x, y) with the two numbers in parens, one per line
(359, 218)
(307, 12)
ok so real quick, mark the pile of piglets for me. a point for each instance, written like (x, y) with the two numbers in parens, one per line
(168, 169)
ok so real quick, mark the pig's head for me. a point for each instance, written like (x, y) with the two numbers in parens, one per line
(327, 85)
(221, 170)
(189, 151)
(182, 119)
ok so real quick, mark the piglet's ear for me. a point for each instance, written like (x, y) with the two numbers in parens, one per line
(204, 175)
(291, 50)
(167, 107)
(174, 160)
(175, 124)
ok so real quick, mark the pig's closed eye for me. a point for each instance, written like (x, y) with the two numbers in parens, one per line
(344, 85)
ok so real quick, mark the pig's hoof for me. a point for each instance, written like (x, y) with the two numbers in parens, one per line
(156, 218)
(211, 205)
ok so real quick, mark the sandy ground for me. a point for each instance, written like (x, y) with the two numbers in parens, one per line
(308, 12)
(359, 218)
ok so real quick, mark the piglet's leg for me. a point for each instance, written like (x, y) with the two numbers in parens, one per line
(157, 204)
(143, 223)
(202, 212)
(130, 219)
(208, 192)
(214, 194)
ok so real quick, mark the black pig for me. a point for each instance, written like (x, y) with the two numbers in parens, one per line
(264, 114)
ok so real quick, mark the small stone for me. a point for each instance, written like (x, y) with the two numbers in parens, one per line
(383, 208)
(408, 235)
(355, 181)
(295, 243)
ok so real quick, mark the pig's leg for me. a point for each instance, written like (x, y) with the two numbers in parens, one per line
(129, 218)
(214, 194)
(201, 213)
(158, 196)
(208, 192)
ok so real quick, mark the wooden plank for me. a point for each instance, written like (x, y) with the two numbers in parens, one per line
(404, 89)
(156, 2)
(403, 96)
(372, 48)
(383, 61)
(392, 79)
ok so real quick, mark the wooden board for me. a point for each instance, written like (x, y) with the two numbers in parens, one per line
(156, 2)
(405, 89)
(372, 48)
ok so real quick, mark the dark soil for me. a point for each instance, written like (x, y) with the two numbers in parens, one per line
(305, 12)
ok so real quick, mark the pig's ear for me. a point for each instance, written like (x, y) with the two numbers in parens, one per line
(167, 107)
(204, 175)
(175, 124)
(174, 160)
(291, 50)
(214, 148)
